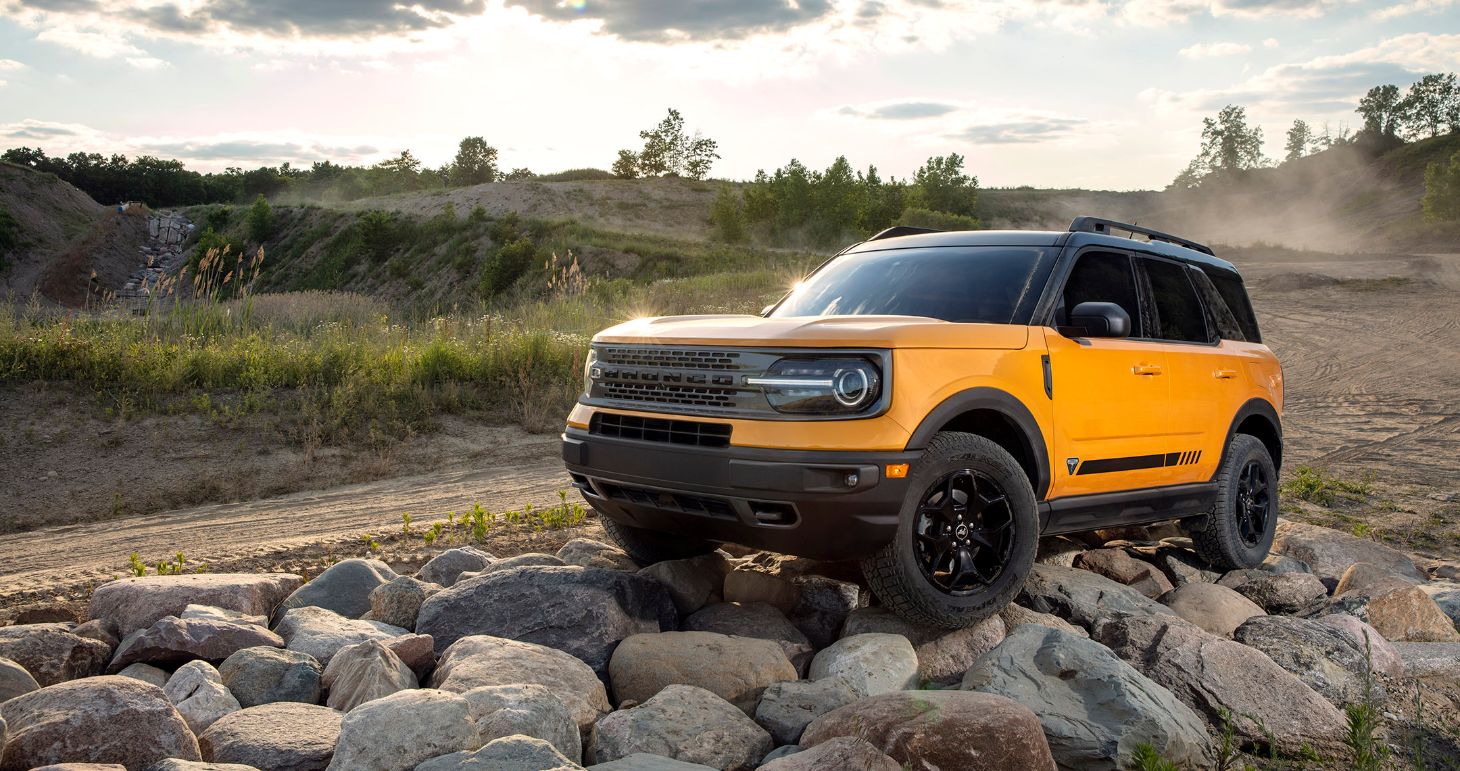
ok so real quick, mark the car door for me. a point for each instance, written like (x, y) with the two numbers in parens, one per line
(1111, 396)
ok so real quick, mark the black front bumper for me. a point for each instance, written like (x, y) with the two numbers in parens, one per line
(788, 501)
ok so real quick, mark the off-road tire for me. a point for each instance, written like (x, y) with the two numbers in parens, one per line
(649, 546)
(894, 573)
(1217, 537)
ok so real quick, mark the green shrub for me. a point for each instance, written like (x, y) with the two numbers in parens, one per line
(575, 175)
(727, 215)
(260, 221)
(9, 235)
(937, 220)
(506, 264)
(1318, 486)
(1441, 201)
(379, 233)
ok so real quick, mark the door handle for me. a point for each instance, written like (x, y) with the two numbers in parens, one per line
(1224, 374)
(1146, 369)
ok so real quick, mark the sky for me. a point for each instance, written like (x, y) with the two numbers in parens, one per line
(1105, 94)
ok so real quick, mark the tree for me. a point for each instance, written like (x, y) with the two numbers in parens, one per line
(727, 215)
(668, 150)
(1300, 138)
(941, 185)
(520, 174)
(475, 163)
(1228, 146)
(1431, 107)
(1441, 201)
(1381, 111)
(627, 165)
(260, 221)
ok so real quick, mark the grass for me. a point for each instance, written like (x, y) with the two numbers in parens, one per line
(1318, 486)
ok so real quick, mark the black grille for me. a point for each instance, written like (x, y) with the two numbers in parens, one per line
(681, 502)
(658, 393)
(688, 432)
(669, 358)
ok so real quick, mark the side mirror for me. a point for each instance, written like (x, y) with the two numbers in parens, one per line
(1100, 320)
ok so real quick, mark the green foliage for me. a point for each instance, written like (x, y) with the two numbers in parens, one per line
(9, 234)
(218, 218)
(1228, 146)
(212, 241)
(1317, 486)
(1148, 759)
(475, 163)
(1370, 753)
(575, 175)
(506, 264)
(937, 220)
(1382, 111)
(136, 565)
(1430, 107)
(668, 151)
(941, 185)
(727, 215)
(1441, 200)
(626, 165)
(260, 221)
(1300, 139)
(381, 232)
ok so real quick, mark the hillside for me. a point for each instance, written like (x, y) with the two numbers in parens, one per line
(50, 216)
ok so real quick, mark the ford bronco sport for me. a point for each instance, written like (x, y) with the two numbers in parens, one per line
(932, 403)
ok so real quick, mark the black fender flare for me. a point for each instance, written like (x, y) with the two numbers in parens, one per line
(1262, 408)
(1002, 402)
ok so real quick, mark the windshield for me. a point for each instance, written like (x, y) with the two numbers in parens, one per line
(992, 284)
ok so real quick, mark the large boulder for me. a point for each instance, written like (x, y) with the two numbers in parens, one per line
(479, 660)
(1014, 615)
(1401, 612)
(933, 730)
(1213, 675)
(1426, 660)
(1322, 656)
(1212, 607)
(418, 651)
(1095, 708)
(508, 753)
(173, 764)
(785, 709)
(693, 583)
(212, 613)
(403, 730)
(531, 559)
(756, 619)
(736, 669)
(1080, 596)
(588, 553)
(1118, 566)
(144, 672)
(822, 607)
(344, 587)
(265, 675)
(643, 761)
(129, 604)
(283, 736)
(748, 585)
(197, 690)
(1446, 594)
(869, 664)
(365, 672)
(583, 611)
(1382, 654)
(445, 568)
(399, 602)
(15, 680)
(1291, 593)
(1328, 553)
(172, 640)
(106, 719)
(51, 653)
(841, 752)
(1368, 578)
(943, 654)
(529, 710)
(685, 723)
(322, 633)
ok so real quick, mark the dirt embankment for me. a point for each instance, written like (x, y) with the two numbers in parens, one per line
(51, 215)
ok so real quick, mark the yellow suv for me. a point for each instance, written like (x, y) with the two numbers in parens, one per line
(932, 403)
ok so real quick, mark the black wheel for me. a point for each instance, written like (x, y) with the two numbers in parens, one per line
(966, 536)
(1237, 533)
(649, 546)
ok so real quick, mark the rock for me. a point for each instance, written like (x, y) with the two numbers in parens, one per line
(1370, 579)
(1210, 673)
(643, 761)
(1440, 660)
(365, 672)
(473, 662)
(1080, 596)
(81, 767)
(1446, 594)
(1279, 564)
(105, 719)
(1014, 615)
(1400, 613)
(870, 664)
(445, 568)
(144, 672)
(173, 764)
(756, 619)
(932, 730)
(403, 730)
(583, 611)
(45, 614)
(685, 723)
(1382, 655)
(785, 750)
(509, 753)
(693, 583)
(344, 588)
(197, 690)
(838, 753)
(210, 613)
(16, 680)
(1183, 566)
(736, 669)
(588, 553)
(101, 631)
(823, 607)
(786, 709)
(750, 586)
(171, 640)
(943, 654)
(1291, 594)
(1059, 551)
(398, 602)
(1095, 708)
(266, 675)
(1215, 608)
(498, 711)
(418, 651)
(283, 736)
(51, 654)
(1322, 656)
(321, 633)
(129, 604)
(1120, 567)
(519, 561)
(1328, 553)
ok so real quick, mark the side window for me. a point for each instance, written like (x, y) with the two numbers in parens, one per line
(1103, 277)
(1219, 316)
(1178, 311)
(1230, 286)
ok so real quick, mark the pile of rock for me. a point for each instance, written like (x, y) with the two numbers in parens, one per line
(583, 657)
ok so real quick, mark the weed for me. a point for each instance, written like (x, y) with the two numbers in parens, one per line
(1363, 720)
(1147, 759)
(1317, 486)
(137, 566)
(405, 528)
(1227, 748)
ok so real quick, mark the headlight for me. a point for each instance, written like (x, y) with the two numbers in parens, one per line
(588, 363)
(820, 386)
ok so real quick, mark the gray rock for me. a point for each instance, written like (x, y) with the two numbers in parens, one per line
(785, 750)
(418, 651)
(1015, 615)
(587, 553)
(197, 691)
(1292, 593)
(1059, 551)
(473, 662)
(693, 583)
(265, 675)
(446, 568)
(786, 709)
(643, 761)
(1120, 567)
(211, 613)
(15, 680)
(129, 604)
(283, 736)
(365, 672)
(1095, 708)
(51, 653)
(1446, 594)
(1328, 553)
(520, 561)
(746, 586)
(1430, 660)
(398, 602)
(1183, 566)
(1382, 654)
(736, 669)
(1080, 596)
(171, 640)
(499, 711)
(144, 672)
(1320, 655)
(1370, 579)
(1279, 564)
(101, 631)
(1215, 608)
(841, 752)
(344, 588)
(943, 654)
(583, 611)
(509, 753)
(403, 730)
(685, 723)
(822, 607)
(105, 719)
(756, 619)
(173, 764)
(322, 633)
(870, 664)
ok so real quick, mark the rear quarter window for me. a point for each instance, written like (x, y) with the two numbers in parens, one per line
(1229, 286)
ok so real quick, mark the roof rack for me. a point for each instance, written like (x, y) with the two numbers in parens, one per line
(898, 231)
(1103, 226)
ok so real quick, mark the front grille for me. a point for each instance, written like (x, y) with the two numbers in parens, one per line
(657, 393)
(681, 502)
(688, 432)
(670, 358)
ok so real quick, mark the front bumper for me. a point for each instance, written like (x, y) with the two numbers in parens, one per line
(788, 501)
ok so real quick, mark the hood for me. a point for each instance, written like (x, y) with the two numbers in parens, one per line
(815, 332)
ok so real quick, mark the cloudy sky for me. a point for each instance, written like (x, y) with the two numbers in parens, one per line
(1088, 93)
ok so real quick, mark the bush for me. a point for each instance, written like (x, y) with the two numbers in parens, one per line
(937, 220)
(1442, 191)
(379, 233)
(9, 231)
(507, 264)
(260, 221)
(576, 175)
(727, 215)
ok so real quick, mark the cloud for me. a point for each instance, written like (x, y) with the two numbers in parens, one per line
(1213, 50)
(90, 42)
(901, 110)
(282, 18)
(1019, 130)
(1414, 6)
(39, 130)
(205, 152)
(8, 65)
(660, 20)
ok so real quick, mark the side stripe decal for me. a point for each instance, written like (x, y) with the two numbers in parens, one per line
(1138, 462)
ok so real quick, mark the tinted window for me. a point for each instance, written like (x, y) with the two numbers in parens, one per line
(1219, 316)
(1178, 312)
(1103, 277)
(993, 284)
(1229, 284)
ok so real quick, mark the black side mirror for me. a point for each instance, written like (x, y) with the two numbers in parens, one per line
(1100, 320)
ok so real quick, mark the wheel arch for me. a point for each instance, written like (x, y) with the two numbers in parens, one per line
(1257, 418)
(997, 416)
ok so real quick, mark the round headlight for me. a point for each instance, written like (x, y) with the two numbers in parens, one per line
(820, 386)
(851, 387)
